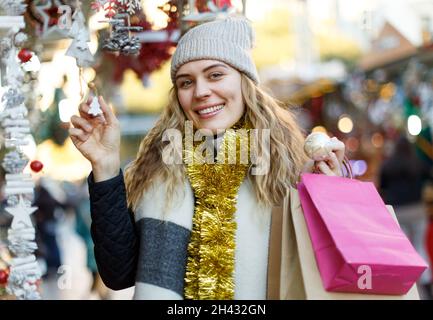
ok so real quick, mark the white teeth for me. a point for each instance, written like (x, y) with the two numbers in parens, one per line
(211, 109)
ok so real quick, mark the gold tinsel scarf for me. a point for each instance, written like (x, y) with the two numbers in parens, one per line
(211, 251)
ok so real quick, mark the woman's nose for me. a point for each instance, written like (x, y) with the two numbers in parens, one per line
(202, 89)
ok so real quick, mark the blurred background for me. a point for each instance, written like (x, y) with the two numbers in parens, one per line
(360, 71)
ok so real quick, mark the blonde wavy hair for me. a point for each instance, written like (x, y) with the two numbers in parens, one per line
(287, 154)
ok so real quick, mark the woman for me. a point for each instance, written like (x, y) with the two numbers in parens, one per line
(196, 231)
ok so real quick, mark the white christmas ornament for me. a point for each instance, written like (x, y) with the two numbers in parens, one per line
(318, 145)
(79, 49)
(34, 65)
(53, 31)
(24, 271)
(15, 74)
(131, 6)
(20, 39)
(21, 215)
(95, 108)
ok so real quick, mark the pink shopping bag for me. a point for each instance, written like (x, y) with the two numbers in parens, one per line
(357, 244)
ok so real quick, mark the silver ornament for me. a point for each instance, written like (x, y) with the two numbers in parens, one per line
(14, 162)
(13, 98)
(21, 284)
(12, 200)
(22, 248)
(13, 7)
(20, 39)
(317, 146)
(120, 39)
(5, 46)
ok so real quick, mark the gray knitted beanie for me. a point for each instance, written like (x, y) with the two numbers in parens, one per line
(229, 40)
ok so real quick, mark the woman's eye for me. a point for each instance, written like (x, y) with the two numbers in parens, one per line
(185, 83)
(215, 75)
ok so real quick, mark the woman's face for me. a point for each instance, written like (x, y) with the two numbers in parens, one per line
(209, 92)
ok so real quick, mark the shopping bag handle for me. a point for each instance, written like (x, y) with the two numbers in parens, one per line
(348, 166)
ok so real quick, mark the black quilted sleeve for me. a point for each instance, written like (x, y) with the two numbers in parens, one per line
(114, 233)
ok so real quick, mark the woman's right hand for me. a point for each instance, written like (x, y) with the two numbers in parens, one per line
(98, 139)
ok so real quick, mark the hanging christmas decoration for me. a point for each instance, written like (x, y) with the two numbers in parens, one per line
(156, 46)
(95, 108)
(25, 55)
(14, 73)
(21, 214)
(131, 6)
(120, 39)
(4, 274)
(318, 146)
(118, 13)
(20, 39)
(79, 49)
(45, 15)
(36, 165)
(13, 7)
(24, 270)
(12, 98)
(111, 7)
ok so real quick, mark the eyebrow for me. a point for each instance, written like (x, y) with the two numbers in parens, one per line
(204, 70)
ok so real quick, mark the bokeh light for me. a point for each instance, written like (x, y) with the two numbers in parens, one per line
(345, 124)
(377, 140)
(414, 125)
(352, 144)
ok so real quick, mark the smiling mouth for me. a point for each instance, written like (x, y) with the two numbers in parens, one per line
(211, 110)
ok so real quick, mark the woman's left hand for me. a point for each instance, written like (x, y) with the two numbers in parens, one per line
(333, 166)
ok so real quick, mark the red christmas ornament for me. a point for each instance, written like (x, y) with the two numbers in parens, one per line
(4, 275)
(54, 15)
(36, 165)
(25, 55)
